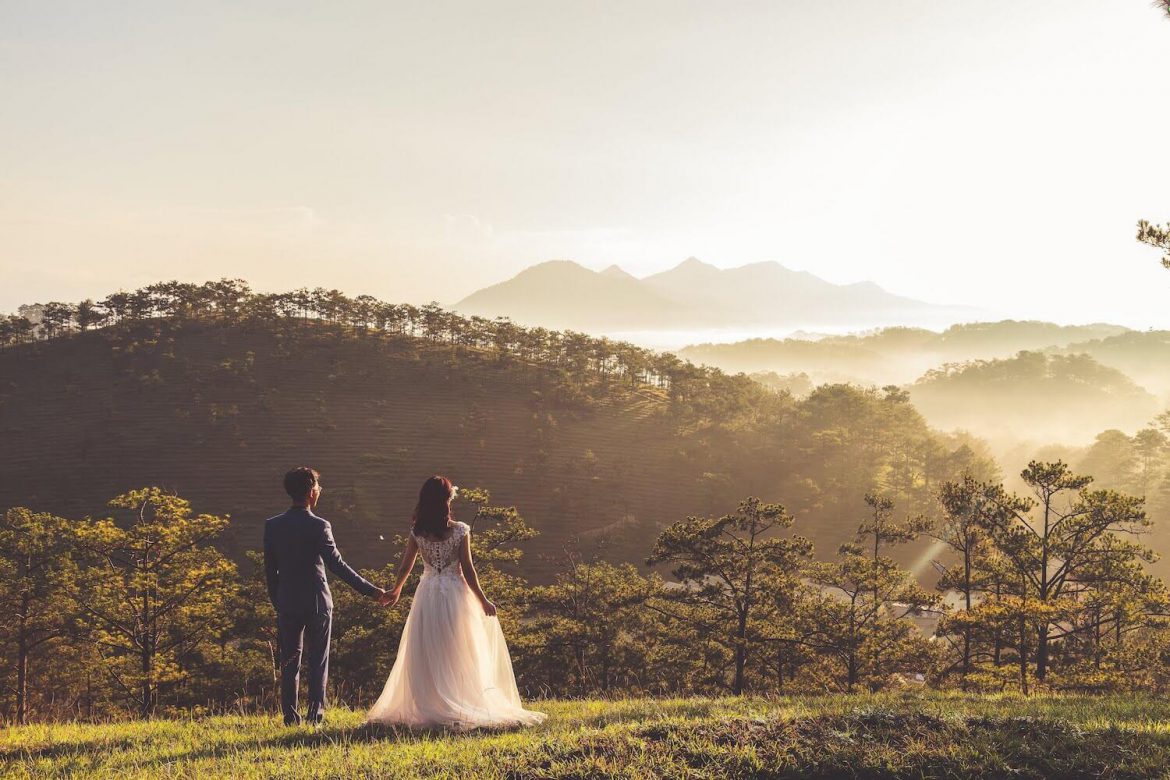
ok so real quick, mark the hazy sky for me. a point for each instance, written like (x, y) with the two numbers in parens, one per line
(994, 154)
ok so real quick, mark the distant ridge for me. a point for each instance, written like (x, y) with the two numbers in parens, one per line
(898, 355)
(565, 294)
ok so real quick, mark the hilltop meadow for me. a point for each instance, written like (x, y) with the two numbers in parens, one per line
(882, 736)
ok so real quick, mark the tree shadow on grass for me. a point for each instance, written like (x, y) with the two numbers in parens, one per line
(296, 737)
(338, 735)
(61, 750)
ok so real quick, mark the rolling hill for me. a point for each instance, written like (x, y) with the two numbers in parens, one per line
(217, 410)
(1052, 398)
(1142, 355)
(900, 355)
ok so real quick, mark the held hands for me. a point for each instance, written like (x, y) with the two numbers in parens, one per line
(388, 598)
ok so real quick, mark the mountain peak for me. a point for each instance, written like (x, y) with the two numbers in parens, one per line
(693, 263)
(555, 266)
(617, 272)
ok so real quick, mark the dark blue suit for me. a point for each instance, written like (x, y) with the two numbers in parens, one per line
(298, 546)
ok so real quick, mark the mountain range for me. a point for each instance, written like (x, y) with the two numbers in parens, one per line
(564, 294)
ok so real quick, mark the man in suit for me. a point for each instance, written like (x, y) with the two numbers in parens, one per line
(298, 545)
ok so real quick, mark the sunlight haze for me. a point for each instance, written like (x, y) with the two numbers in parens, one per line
(994, 156)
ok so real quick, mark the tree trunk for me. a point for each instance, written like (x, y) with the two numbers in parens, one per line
(998, 649)
(147, 690)
(740, 653)
(967, 625)
(740, 663)
(147, 658)
(581, 688)
(1042, 653)
(22, 663)
(1023, 653)
(1097, 640)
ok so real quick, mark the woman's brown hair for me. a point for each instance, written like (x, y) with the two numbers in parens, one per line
(433, 511)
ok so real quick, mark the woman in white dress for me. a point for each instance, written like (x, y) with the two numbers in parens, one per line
(452, 667)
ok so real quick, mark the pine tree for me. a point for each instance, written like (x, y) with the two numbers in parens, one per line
(859, 617)
(591, 630)
(729, 568)
(155, 590)
(37, 566)
(1064, 546)
(1157, 236)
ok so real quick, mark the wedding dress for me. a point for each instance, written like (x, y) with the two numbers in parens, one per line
(452, 667)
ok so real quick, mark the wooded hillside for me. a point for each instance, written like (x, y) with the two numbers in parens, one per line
(214, 391)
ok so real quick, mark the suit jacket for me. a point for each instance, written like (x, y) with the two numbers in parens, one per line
(298, 546)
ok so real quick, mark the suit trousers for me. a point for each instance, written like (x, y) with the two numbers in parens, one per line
(308, 633)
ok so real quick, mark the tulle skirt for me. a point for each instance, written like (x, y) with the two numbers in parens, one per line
(452, 667)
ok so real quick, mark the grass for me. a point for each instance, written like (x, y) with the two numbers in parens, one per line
(907, 736)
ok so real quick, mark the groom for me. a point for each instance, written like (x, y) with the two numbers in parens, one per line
(298, 546)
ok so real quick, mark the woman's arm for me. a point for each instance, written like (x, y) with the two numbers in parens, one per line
(472, 578)
(409, 555)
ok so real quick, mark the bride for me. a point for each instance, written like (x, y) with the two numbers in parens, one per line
(452, 667)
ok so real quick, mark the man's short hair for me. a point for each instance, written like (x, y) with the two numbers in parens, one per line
(299, 482)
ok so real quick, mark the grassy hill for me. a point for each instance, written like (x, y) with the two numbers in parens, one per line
(910, 736)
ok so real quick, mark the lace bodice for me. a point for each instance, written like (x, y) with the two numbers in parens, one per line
(441, 556)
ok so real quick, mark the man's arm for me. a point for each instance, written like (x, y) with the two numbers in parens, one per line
(333, 560)
(271, 572)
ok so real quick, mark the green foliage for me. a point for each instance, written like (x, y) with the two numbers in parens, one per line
(1053, 585)
(734, 574)
(591, 632)
(857, 619)
(247, 658)
(36, 568)
(165, 619)
(154, 591)
(233, 301)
